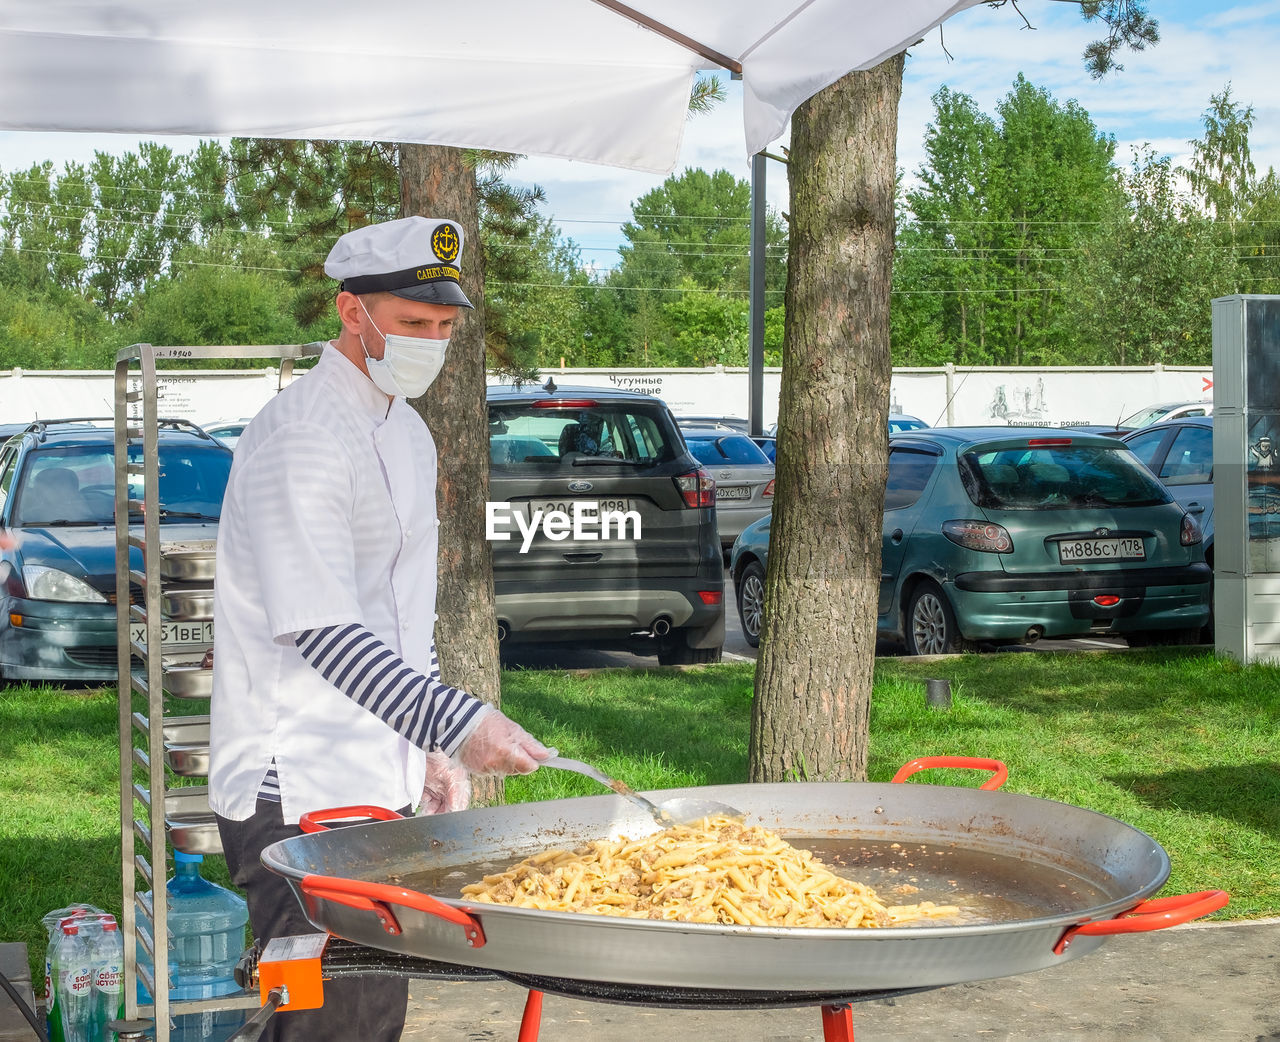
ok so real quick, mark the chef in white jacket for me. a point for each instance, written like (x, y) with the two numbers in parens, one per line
(327, 689)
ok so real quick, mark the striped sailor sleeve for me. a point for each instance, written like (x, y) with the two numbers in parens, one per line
(420, 706)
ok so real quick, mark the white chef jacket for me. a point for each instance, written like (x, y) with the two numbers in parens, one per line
(329, 517)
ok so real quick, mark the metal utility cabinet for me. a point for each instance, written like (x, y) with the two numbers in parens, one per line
(1246, 476)
(161, 753)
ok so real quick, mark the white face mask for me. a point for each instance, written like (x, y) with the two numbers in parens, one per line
(409, 364)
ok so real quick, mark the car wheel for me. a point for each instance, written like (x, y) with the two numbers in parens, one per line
(677, 653)
(750, 591)
(931, 625)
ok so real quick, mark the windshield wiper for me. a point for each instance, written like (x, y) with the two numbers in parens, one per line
(63, 522)
(606, 461)
(165, 512)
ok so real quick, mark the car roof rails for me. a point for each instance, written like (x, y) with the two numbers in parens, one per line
(39, 427)
(174, 423)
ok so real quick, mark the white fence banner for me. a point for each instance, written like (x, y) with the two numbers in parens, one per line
(951, 395)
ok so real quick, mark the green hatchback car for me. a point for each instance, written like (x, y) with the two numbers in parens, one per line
(1008, 535)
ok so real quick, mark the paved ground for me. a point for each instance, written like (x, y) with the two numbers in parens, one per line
(1210, 983)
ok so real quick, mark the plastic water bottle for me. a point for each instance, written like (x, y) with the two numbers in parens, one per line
(107, 960)
(73, 980)
(206, 937)
(53, 927)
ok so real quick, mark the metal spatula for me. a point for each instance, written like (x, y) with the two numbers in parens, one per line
(679, 811)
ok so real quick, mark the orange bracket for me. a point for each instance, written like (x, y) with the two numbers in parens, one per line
(293, 963)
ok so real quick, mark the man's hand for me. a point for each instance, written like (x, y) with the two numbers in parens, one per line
(500, 746)
(447, 787)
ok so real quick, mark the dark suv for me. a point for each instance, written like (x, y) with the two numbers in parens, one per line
(57, 496)
(602, 524)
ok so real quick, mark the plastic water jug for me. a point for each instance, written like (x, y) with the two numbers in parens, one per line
(206, 938)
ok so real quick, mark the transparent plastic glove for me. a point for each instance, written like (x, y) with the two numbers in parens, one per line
(499, 746)
(447, 787)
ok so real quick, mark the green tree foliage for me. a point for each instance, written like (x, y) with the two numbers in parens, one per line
(687, 240)
(1221, 171)
(1000, 206)
(1139, 291)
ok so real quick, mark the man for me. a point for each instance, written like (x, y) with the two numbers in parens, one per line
(327, 690)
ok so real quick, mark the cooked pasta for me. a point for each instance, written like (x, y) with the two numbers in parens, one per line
(715, 871)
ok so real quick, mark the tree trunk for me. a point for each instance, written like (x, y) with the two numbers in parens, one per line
(435, 182)
(813, 680)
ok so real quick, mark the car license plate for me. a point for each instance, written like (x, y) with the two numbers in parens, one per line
(174, 634)
(1075, 551)
(733, 492)
(565, 506)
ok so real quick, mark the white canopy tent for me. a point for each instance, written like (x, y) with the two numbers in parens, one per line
(578, 79)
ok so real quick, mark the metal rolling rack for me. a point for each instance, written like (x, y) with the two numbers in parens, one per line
(174, 586)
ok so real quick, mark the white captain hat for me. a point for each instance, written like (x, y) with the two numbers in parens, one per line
(413, 257)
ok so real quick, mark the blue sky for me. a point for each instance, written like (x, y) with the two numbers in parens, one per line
(1158, 98)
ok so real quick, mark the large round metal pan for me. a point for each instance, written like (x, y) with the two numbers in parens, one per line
(1068, 866)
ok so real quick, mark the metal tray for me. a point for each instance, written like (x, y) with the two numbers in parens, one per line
(189, 561)
(191, 825)
(184, 677)
(187, 605)
(186, 729)
(414, 867)
(186, 746)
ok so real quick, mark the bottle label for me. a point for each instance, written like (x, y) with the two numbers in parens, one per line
(79, 981)
(108, 979)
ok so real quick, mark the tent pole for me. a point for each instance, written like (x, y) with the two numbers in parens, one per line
(666, 31)
(755, 372)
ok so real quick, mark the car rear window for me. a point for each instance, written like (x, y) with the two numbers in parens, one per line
(537, 437)
(726, 448)
(1058, 476)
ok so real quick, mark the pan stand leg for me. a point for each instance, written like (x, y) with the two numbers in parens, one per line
(837, 1023)
(531, 1022)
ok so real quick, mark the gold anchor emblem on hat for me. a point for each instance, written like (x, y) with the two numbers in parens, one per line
(445, 241)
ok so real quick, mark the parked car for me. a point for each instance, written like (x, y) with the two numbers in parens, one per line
(8, 430)
(720, 423)
(1180, 454)
(654, 576)
(228, 431)
(1166, 411)
(991, 534)
(57, 495)
(744, 478)
(899, 422)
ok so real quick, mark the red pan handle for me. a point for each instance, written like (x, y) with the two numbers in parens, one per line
(377, 897)
(313, 820)
(999, 772)
(1150, 915)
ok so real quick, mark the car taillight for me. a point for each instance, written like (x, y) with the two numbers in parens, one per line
(565, 403)
(768, 489)
(985, 536)
(711, 596)
(697, 488)
(1191, 533)
(1106, 600)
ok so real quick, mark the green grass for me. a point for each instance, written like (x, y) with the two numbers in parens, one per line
(1181, 745)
